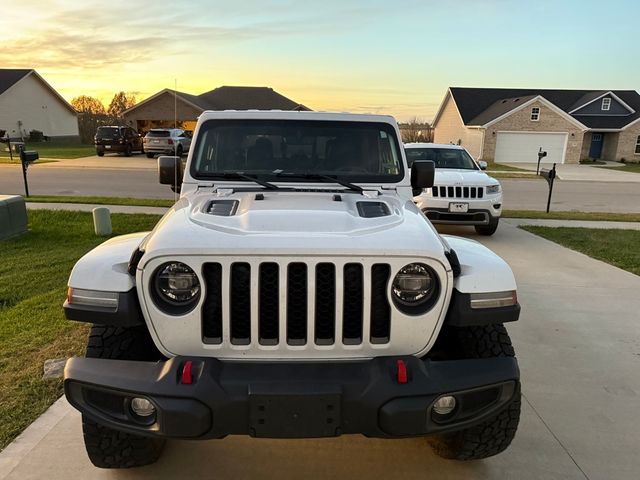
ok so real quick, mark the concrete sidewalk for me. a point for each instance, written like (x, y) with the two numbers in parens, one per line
(586, 173)
(577, 344)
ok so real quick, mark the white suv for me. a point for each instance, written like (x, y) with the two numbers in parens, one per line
(462, 193)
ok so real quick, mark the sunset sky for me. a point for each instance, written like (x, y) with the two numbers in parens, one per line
(369, 56)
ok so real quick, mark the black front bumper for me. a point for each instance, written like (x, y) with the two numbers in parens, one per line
(471, 217)
(290, 400)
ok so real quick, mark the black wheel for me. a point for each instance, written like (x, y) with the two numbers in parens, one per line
(179, 151)
(127, 150)
(488, 229)
(495, 434)
(100, 153)
(106, 447)
(149, 155)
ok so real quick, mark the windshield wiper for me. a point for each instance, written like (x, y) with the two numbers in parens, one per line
(243, 176)
(322, 178)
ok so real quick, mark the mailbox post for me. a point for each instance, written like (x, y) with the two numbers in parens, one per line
(550, 176)
(26, 159)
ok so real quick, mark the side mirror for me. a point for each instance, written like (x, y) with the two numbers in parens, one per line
(170, 171)
(483, 165)
(423, 173)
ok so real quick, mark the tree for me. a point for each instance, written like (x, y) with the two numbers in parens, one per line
(91, 114)
(416, 130)
(121, 101)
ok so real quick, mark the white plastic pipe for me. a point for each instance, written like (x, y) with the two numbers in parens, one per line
(102, 221)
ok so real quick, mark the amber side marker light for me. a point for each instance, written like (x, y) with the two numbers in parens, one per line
(494, 299)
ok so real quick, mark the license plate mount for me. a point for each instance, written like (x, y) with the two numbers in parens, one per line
(458, 207)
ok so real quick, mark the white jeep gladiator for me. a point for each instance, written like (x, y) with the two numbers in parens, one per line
(294, 291)
(462, 194)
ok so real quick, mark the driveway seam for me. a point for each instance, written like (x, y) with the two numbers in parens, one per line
(566, 450)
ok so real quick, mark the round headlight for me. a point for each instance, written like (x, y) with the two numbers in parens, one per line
(176, 288)
(415, 288)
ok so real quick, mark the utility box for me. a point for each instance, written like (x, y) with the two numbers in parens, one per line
(13, 216)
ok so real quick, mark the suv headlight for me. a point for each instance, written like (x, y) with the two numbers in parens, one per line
(492, 189)
(415, 288)
(175, 288)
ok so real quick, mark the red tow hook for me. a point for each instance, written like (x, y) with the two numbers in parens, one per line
(187, 377)
(402, 376)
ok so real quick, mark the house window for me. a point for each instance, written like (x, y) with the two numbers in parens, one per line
(535, 114)
(606, 104)
(638, 145)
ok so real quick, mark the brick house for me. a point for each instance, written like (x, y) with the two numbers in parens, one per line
(511, 125)
(160, 110)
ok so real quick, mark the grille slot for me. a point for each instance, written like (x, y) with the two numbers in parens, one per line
(352, 304)
(240, 308)
(457, 192)
(212, 305)
(269, 304)
(325, 311)
(297, 304)
(380, 308)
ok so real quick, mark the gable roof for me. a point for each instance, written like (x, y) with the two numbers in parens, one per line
(232, 98)
(10, 76)
(479, 106)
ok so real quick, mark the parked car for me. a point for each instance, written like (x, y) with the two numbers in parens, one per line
(462, 194)
(171, 141)
(294, 291)
(118, 139)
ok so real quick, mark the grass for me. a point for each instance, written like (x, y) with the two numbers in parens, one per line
(596, 216)
(143, 202)
(530, 176)
(55, 149)
(501, 167)
(16, 160)
(628, 167)
(616, 247)
(34, 271)
(592, 162)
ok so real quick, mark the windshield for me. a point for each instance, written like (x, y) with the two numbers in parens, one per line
(107, 132)
(443, 157)
(357, 151)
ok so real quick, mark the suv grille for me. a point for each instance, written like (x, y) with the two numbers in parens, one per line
(283, 295)
(458, 192)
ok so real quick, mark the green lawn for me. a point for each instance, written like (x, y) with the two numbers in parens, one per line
(596, 216)
(617, 247)
(34, 272)
(54, 149)
(144, 202)
(505, 174)
(501, 167)
(628, 167)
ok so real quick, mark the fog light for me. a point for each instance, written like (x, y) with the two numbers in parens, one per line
(444, 405)
(142, 407)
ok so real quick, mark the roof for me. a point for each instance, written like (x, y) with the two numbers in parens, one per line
(233, 98)
(296, 115)
(433, 145)
(479, 106)
(10, 76)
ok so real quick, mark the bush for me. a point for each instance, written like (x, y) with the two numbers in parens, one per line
(36, 136)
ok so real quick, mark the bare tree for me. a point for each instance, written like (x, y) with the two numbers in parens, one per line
(416, 130)
(91, 114)
(121, 101)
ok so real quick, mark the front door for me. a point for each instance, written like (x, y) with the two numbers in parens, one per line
(596, 146)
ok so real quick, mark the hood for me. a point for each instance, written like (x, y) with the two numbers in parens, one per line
(462, 177)
(292, 223)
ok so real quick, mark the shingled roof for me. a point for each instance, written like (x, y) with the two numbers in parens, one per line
(478, 106)
(10, 76)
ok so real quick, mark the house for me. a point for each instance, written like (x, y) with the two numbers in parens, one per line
(510, 125)
(28, 102)
(168, 106)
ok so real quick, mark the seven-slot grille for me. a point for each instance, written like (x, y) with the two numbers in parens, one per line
(298, 303)
(457, 192)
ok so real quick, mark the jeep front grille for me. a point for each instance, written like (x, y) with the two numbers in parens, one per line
(296, 303)
(457, 192)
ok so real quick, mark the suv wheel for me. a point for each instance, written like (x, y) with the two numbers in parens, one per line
(488, 229)
(179, 151)
(100, 153)
(127, 150)
(495, 434)
(149, 155)
(106, 447)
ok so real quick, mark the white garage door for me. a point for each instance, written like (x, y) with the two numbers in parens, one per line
(512, 147)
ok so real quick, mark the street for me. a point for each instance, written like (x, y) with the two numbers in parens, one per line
(142, 182)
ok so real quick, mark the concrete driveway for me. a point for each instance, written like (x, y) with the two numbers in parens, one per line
(578, 344)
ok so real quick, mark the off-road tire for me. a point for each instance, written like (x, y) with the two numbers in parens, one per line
(149, 154)
(489, 229)
(495, 434)
(106, 447)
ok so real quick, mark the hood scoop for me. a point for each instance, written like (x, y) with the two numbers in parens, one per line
(373, 209)
(222, 208)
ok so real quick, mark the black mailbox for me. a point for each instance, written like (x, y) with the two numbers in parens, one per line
(28, 156)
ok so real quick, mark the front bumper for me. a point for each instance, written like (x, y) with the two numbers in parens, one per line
(480, 211)
(290, 400)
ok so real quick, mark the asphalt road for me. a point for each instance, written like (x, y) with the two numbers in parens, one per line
(143, 183)
(577, 345)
